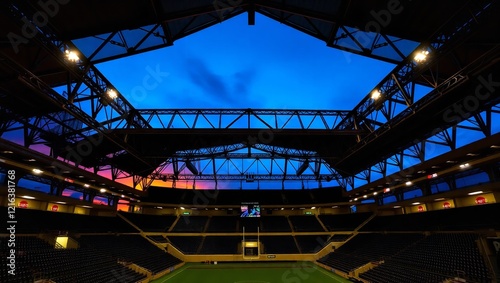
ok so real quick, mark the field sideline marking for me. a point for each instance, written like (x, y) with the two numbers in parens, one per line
(179, 271)
(327, 274)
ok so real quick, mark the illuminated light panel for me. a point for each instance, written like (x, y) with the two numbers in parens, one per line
(465, 165)
(102, 190)
(37, 171)
(416, 203)
(421, 56)
(71, 56)
(112, 94)
(28, 197)
(475, 193)
(314, 207)
(375, 94)
(408, 183)
(439, 199)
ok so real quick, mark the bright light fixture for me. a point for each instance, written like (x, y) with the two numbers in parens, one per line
(356, 199)
(365, 196)
(123, 196)
(60, 202)
(439, 199)
(416, 203)
(375, 193)
(397, 206)
(71, 56)
(86, 185)
(375, 94)
(37, 171)
(28, 197)
(102, 190)
(465, 165)
(182, 208)
(408, 183)
(386, 190)
(475, 193)
(421, 56)
(434, 175)
(314, 207)
(112, 94)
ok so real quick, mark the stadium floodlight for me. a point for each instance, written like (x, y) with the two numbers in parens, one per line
(375, 94)
(421, 56)
(112, 94)
(465, 165)
(71, 56)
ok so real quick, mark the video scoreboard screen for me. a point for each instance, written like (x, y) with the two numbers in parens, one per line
(250, 209)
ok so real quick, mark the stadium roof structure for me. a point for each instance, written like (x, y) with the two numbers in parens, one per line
(52, 94)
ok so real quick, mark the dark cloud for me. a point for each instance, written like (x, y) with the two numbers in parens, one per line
(220, 91)
(210, 83)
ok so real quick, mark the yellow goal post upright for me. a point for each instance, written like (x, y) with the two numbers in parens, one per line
(251, 249)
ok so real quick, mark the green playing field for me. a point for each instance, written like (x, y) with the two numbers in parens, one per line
(297, 272)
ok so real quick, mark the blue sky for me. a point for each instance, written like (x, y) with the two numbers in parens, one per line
(233, 65)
